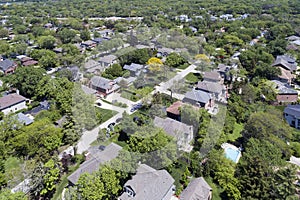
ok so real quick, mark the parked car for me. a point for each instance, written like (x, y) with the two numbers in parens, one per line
(101, 147)
(99, 104)
(132, 109)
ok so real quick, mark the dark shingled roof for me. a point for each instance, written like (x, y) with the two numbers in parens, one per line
(198, 189)
(6, 64)
(210, 87)
(198, 96)
(101, 82)
(91, 165)
(10, 100)
(214, 75)
(286, 61)
(149, 184)
(293, 110)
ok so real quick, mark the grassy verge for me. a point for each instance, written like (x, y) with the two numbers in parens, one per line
(105, 114)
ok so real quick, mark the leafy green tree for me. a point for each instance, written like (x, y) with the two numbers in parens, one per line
(4, 47)
(48, 59)
(25, 79)
(222, 170)
(6, 194)
(46, 42)
(66, 35)
(89, 188)
(83, 109)
(174, 60)
(104, 184)
(85, 35)
(34, 140)
(113, 72)
(3, 33)
(269, 126)
(156, 148)
(59, 90)
(50, 178)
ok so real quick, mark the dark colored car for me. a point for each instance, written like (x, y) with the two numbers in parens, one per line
(101, 147)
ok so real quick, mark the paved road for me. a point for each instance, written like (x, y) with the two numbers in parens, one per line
(89, 136)
(163, 87)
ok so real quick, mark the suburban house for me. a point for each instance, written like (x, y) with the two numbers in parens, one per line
(89, 166)
(103, 86)
(162, 52)
(8, 66)
(198, 98)
(215, 88)
(212, 76)
(106, 33)
(89, 44)
(182, 132)
(285, 94)
(135, 69)
(286, 62)
(27, 61)
(149, 184)
(285, 76)
(292, 115)
(173, 111)
(24, 119)
(197, 189)
(108, 60)
(93, 66)
(12, 103)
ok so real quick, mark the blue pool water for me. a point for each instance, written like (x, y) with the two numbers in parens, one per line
(232, 154)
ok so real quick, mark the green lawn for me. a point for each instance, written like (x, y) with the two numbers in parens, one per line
(113, 139)
(106, 114)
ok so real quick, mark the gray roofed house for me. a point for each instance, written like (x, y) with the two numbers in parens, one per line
(182, 132)
(212, 87)
(198, 98)
(164, 51)
(23, 119)
(103, 85)
(198, 189)
(92, 66)
(93, 164)
(286, 62)
(212, 76)
(134, 69)
(292, 115)
(108, 60)
(89, 44)
(7, 66)
(149, 184)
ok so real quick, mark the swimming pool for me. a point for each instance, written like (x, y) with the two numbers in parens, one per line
(232, 154)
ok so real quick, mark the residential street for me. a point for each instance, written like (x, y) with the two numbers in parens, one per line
(89, 136)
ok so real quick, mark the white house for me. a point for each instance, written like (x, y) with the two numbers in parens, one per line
(12, 103)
